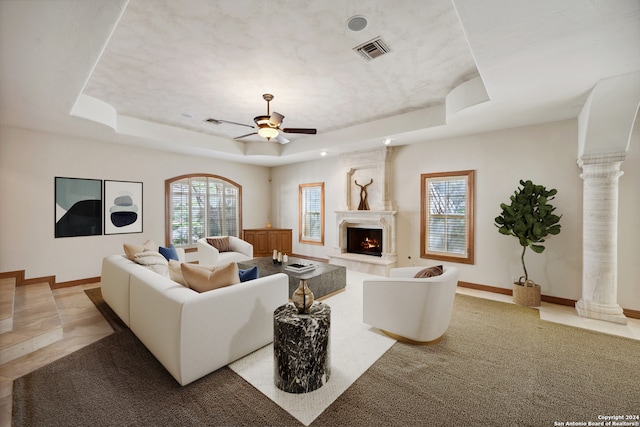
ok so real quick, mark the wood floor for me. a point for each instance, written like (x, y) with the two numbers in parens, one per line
(39, 325)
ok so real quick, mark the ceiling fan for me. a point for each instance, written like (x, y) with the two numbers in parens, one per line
(268, 126)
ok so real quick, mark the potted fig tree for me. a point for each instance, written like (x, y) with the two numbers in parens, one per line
(530, 218)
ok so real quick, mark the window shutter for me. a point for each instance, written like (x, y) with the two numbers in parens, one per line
(447, 215)
(216, 211)
(311, 220)
(311, 212)
(231, 215)
(179, 210)
(202, 206)
(198, 208)
(446, 220)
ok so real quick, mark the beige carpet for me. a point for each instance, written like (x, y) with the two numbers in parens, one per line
(499, 365)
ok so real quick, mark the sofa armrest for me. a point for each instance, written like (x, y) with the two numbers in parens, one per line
(224, 325)
(207, 254)
(410, 271)
(193, 334)
(181, 254)
(114, 283)
(155, 316)
(242, 246)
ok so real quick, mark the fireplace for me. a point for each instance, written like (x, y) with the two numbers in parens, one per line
(365, 241)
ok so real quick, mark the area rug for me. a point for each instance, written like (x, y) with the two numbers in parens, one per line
(355, 346)
(498, 365)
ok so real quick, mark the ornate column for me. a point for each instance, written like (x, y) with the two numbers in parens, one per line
(600, 237)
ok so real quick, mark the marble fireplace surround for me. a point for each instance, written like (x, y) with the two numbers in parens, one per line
(372, 169)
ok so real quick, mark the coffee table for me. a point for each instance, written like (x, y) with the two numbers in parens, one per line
(324, 280)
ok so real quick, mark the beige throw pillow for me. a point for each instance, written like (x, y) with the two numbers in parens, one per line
(175, 271)
(220, 243)
(206, 279)
(153, 260)
(429, 272)
(131, 249)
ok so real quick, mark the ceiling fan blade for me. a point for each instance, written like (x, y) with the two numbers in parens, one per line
(300, 130)
(281, 139)
(218, 121)
(275, 119)
(249, 134)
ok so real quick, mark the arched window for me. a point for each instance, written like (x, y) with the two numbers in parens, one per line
(201, 205)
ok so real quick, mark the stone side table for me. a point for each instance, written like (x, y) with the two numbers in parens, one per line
(301, 347)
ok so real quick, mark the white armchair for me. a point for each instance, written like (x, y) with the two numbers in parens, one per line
(240, 251)
(417, 311)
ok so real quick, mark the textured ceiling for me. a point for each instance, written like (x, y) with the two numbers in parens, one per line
(149, 72)
(201, 58)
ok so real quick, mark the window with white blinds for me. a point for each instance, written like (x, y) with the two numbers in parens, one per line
(311, 211)
(446, 221)
(201, 206)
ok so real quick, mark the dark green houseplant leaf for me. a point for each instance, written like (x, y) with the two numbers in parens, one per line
(529, 217)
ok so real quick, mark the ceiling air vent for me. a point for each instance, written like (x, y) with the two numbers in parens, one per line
(372, 49)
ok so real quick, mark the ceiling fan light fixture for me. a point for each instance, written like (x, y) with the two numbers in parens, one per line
(261, 120)
(275, 119)
(267, 131)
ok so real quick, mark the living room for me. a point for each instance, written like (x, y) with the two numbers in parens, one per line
(35, 150)
(33, 155)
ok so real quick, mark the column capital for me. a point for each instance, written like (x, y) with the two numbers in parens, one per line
(601, 166)
(601, 159)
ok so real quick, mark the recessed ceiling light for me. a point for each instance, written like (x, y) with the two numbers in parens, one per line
(387, 141)
(357, 23)
(323, 153)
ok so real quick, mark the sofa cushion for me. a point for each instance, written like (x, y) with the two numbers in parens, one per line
(153, 260)
(227, 257)
(220, 243)
(175, 272)
(169, 253)
(248, 274)
(131, 249)
(429, 272)
(206, 279)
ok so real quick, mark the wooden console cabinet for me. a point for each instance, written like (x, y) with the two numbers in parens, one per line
(265, 240)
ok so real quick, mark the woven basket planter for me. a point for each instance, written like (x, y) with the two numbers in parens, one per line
(527, 294)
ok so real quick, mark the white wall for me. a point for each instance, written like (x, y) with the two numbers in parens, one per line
(286, 180)
(546, 154)
(629, 225)
(30, 160)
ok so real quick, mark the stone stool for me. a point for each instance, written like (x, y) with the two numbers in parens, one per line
(301, 347)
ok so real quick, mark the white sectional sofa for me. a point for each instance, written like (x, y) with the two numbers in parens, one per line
(192, 334)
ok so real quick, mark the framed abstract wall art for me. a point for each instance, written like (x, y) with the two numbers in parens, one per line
(78, 207)
(122, 207)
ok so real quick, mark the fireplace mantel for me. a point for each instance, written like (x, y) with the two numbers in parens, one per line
(368, 170)
(384, 220)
